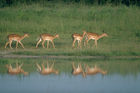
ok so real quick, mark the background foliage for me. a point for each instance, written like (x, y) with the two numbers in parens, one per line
(121, 23)
(4, 3)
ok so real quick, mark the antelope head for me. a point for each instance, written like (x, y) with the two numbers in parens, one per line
(105, 34)
(56, 36)
(26, 35)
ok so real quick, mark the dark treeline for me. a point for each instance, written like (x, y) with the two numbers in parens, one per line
(4, 3)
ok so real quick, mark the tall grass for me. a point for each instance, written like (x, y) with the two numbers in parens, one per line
(120, 23)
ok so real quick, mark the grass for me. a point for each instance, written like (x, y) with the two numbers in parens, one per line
(120, 23)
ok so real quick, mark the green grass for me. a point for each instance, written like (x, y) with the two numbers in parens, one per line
(121, 23)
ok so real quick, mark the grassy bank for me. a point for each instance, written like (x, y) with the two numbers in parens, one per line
(120, 23)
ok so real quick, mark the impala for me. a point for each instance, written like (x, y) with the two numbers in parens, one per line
(48, 70)
(47, 37)
(17, 38)
(16, 70)
(78, 38)
(78, 70)
(95, 70)
(94, 36)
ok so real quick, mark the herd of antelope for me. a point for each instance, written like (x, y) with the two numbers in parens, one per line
(50, 69)
(49, 38)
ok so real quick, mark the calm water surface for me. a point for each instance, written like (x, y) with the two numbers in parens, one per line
(123, 77)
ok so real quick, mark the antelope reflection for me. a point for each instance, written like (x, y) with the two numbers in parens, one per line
(78, 70)
(16, 70)
(48, 70)
(93, 71)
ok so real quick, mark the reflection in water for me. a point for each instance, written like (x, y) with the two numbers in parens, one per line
(48, 70)
(16, 70)
(78, 70)
(123, 76)
(93, 71)
(87, 70)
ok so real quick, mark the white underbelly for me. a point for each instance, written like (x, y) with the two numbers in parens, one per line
(92, 69)
(14, 40)
(77, 70)
(93, 38)
(47, 70)
(47, 39)
(78, 39)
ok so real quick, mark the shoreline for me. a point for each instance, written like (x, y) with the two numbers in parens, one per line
(69, 57)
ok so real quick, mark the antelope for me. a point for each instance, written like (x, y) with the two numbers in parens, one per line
(16, 70)
(78, 37)
(17, 38)
(48, 70)
(78, 70)
(94, 36)
(47, 37)
(93, 71)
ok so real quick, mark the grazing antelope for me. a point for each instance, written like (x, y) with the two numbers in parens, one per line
(94, 36)
(93, 71)
(78, 70)
(16, 70)
(47, 37)
(17, 38)
(78, 37)
(48, 70)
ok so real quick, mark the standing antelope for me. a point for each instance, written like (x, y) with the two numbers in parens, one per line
(48, 70)
(94, 36)
(93, 71)
(77, 37)
(47, 37)
(16, 70)
(78, 70)
(17, 38)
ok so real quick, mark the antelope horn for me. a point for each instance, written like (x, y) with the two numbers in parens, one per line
(38, 66)
(47, 64)
(16, 65)
(20, 65)
(52, 65)
(73, 65)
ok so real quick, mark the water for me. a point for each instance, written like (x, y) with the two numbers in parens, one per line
(123, 77)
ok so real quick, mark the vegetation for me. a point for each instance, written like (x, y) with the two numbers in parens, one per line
(121, 23)
(4, 3)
